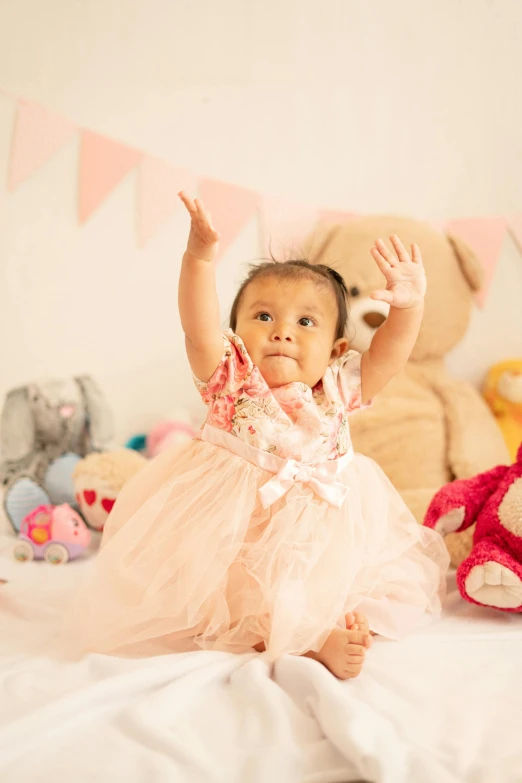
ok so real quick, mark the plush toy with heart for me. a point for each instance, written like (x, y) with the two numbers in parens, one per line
(98, 480)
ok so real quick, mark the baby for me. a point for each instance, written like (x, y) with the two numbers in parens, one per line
(268, 532)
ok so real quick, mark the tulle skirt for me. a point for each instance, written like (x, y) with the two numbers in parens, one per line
(191, 560)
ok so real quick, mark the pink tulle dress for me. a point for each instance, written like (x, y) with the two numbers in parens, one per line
(267, 528)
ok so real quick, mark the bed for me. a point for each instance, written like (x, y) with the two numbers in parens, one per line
(442, 706)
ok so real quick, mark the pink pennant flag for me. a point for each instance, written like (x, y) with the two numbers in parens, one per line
(230, 206)
(485, 237)
(515, 228)
(38, 135)
(103, 164)
(336, 216)
(284, 226)
(159, 185)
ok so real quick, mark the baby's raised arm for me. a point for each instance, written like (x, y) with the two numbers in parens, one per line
(393, 342)
(197, 296)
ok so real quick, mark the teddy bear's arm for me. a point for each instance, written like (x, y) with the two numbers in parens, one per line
(475, 442)
(456, 505)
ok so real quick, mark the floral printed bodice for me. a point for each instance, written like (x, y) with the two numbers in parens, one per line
(292, 421)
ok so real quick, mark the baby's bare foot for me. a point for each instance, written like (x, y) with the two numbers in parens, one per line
(343, 652)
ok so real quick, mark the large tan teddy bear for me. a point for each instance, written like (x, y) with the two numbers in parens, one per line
(425, 428)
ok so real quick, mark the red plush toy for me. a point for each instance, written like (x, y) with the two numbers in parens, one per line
(492, 574)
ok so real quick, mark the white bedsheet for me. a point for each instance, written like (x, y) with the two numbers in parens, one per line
(444, 706)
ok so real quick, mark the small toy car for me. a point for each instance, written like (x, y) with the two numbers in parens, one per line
(52, 533)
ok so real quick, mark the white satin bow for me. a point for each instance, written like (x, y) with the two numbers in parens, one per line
(321, 476)
(320, 479)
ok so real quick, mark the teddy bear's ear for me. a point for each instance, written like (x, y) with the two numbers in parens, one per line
(315, 246)
(471, 267)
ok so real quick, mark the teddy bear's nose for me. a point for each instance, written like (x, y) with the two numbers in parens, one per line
(374, 319)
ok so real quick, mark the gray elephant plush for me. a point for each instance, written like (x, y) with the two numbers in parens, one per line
(45, 429)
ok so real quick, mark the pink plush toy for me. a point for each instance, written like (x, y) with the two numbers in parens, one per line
(167, 434)
(492, 574)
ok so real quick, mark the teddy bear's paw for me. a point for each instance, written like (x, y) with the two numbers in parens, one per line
(492, 584)
(451, 521)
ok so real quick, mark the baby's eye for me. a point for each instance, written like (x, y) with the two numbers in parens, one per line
(263, 317)
(306, 321)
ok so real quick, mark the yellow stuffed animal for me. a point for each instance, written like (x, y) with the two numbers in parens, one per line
(503, 393)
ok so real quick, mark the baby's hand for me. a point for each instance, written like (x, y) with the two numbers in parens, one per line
(203, 241)
(405, 276)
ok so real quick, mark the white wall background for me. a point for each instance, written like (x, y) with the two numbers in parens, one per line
(367, 106)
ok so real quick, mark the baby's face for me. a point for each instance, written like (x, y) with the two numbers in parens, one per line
(288, 327)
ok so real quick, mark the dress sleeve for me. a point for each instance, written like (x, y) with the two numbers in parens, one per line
(349, 381)
(231, 373)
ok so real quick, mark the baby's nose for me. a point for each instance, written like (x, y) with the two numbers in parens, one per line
(282, 332)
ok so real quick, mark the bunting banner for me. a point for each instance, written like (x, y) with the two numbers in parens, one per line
(103, 164)
(284, 225)
(38, 135)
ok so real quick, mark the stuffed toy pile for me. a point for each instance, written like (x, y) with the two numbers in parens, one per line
(425, 428)
(45, 430)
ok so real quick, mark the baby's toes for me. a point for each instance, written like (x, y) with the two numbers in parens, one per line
(355, 653)
(351, 671)
(357, 637)
(361, 623)
(354, 660)
(349, 619)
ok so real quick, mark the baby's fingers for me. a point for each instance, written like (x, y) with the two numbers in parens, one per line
(381, 262)
(202, 212)
(416, 254)
(190, 205)
(384, 253)
(382, 296)
(204, 217)
(401, 251)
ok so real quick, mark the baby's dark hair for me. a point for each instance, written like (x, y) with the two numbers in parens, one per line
(298, 270)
